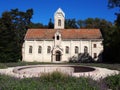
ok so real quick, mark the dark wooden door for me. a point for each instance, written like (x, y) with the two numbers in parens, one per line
(58, 56)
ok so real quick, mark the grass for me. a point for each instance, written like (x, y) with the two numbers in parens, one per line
(14, 64)
(113, 82)
(103, 65)
(2, 65)
(54, 81)
(59, 81)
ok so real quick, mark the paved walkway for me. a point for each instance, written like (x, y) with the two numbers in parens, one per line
(96, 75)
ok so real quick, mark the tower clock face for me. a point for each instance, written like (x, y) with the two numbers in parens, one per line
(59, 15)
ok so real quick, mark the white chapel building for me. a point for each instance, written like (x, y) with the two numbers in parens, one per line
(60, 44)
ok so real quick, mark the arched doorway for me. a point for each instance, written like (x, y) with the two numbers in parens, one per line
(58, 55)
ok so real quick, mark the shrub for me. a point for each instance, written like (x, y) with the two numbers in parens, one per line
(113, 82)
(82, 58)
(53, 77)
(54, 81)
(2, 65)
(73, 59)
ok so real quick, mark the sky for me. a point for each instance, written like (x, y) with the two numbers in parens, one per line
(45, 9)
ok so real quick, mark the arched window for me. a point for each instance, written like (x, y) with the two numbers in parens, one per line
(85, 49)
(30, 49)
(76, 49)
(48, 49)
(67, 50)
(39, 49)
(59, 22)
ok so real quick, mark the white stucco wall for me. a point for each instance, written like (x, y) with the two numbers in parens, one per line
(98, 49)
(45, 57)
(35, 56)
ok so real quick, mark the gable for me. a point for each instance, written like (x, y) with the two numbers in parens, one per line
(59, 11)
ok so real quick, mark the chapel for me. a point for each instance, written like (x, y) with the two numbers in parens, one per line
(60, 44)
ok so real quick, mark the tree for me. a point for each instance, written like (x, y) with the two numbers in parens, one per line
(8, 44)
(21, 21)
(93, 23)
(113, 3)
(50, 24)
(14, 25)
(70, 24)
(37, 25)
(115, 43)
(81, 23)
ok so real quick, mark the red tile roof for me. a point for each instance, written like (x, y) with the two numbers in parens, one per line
(65, 34)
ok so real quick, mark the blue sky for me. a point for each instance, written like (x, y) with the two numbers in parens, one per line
(44, 9)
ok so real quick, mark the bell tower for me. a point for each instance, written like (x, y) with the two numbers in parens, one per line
(59, 19)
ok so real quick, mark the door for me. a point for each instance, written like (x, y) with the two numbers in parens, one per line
(58, 55)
